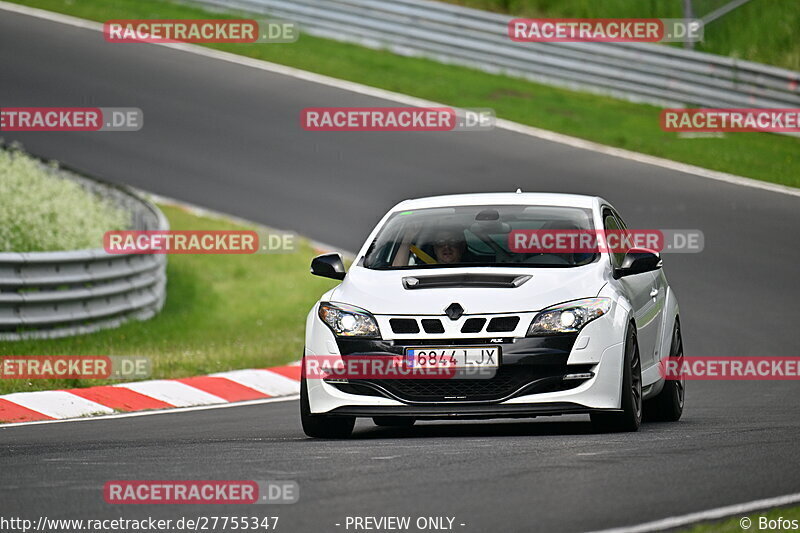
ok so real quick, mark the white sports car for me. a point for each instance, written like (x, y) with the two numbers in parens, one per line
(440, 282)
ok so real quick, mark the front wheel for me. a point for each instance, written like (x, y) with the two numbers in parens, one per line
(321, 426)
(630, 418)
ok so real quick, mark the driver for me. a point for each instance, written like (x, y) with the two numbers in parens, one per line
(449, 247)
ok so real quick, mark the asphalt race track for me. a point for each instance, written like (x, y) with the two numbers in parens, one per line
(228, 137)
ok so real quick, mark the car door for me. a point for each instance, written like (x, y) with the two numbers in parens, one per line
(641, 292)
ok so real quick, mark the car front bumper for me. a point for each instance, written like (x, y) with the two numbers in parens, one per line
(597, 350)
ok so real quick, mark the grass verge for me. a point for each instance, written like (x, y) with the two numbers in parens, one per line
(736, 525)
(761, 30)
(223, 312)
(763, 156)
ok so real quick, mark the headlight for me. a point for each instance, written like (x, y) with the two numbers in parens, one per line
(569, 317)
(348, 321)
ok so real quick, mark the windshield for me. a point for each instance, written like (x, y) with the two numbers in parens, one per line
(473, 236)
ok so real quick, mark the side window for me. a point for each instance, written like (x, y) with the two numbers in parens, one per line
(627, 243)
(622, 224)
(610, 223)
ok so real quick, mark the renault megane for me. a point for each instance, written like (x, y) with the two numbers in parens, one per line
(441, 281)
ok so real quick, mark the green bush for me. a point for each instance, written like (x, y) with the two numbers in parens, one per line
(42, 212)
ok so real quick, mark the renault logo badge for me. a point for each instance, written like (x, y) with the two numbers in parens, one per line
(454, 311)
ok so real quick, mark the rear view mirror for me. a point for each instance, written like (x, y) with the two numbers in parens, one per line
(638, 261)
(328, 266)
(491, 227)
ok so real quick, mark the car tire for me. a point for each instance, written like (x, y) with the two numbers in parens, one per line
(321, 426)
(630, 417)
(394, 421)
(667, 406)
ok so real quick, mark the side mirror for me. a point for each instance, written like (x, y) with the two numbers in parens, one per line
(328, 266)
(638, 261)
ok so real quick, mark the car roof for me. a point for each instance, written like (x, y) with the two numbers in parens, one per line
(503, 198)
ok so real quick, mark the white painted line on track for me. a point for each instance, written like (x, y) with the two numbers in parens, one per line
(211, 213)
(740, 509)
(57, 403)
(412, 101)
(155, 412)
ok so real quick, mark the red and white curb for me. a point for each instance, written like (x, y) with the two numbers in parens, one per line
(214, 389)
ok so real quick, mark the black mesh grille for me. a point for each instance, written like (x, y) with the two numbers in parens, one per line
(432, 325)
(473, 325)
(508, 380)
(503, 323)
(404, 325)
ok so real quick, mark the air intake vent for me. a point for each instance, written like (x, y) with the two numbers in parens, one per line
(490, 281)
(432, 325)
(473, 325)
(503, 323)
(404, 325)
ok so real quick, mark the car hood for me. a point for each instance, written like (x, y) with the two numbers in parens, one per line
(383, 292)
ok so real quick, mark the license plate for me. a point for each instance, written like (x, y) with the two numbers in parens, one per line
(451, 357)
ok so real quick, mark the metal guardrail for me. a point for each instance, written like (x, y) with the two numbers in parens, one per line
(57, 294)
(642, 72)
